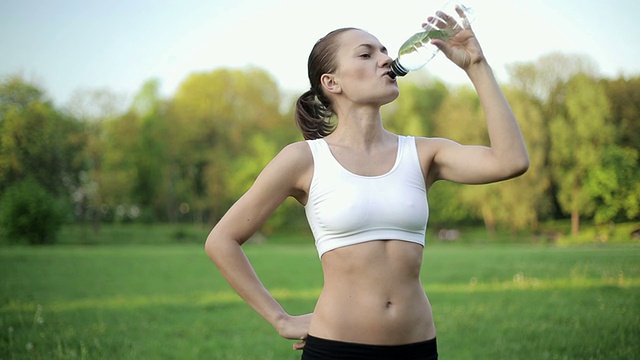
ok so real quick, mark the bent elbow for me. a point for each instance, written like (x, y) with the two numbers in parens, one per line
(219, 246)
(520, 167)
(520, 171)
(525, 162)
(210, 247)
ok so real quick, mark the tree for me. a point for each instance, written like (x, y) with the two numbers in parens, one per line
(614, 186)
(460, 118)
(624, 97)
(151, 188)
(38, 167)
(36, 140)
(621, 175)
(121, 136)
(541, 79)
(93, 109)
(514, 204)
(578, 137)
(215, 113)
(414, 111)
(29, 212)
(526, 198)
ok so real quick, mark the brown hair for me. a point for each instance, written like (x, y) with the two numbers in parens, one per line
(313, 108)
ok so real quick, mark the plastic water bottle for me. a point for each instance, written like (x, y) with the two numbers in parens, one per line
(417, 50)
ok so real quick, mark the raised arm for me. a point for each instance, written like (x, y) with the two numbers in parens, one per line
(286, 175)
(507, 156)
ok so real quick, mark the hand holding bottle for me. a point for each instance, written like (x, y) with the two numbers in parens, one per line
(447, 29)
(461, 45)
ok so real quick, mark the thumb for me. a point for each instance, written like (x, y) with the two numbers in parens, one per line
(441, 45)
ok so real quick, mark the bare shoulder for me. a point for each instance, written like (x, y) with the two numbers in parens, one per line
(295, 155)
(291, 168)
(298, 150)
(428, 147)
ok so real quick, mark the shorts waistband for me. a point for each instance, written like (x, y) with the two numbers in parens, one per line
(319, 349)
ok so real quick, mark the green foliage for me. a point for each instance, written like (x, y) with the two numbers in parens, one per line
(414, 112)
(624, 95)
(187, 158)
(460, 118)
(614, 186)
(542, 80)
(444, 205)
(36, 140)
(217, 114)
(578, 137)
(527, 198)
(28, 212)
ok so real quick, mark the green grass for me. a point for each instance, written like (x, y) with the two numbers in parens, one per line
(169, 302)
(135, 233)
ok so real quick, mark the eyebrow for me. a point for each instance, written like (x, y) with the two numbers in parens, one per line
(371, 47)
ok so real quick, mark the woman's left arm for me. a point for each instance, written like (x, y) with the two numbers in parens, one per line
(507, 156)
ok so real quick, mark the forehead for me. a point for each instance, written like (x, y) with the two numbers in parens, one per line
(350, 40)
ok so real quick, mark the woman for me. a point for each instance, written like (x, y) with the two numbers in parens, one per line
(364, 191)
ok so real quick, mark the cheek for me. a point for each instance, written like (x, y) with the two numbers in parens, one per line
(362, 74)
(357, 81)
(354, 71)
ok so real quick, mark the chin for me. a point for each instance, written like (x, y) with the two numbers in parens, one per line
(392, 96)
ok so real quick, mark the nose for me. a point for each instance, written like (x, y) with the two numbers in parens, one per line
(386, 60)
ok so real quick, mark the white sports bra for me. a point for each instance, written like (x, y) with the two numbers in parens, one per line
(345, 208)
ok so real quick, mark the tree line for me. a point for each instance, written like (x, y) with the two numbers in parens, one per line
(188, 157)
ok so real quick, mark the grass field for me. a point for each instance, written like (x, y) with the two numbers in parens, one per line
(169, 302)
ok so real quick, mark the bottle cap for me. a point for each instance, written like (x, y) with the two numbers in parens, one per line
(397, 69)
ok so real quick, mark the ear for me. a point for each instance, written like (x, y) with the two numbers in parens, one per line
(330, 84)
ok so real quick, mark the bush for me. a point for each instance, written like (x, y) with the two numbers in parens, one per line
(28, 212)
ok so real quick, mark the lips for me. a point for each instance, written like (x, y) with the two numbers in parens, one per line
(391, 75)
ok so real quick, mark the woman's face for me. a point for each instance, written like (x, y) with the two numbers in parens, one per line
(362, 67)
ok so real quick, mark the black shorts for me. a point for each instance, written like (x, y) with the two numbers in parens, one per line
(323, 349)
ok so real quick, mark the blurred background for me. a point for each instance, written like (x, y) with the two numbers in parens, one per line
(128, 128)
(165, 112)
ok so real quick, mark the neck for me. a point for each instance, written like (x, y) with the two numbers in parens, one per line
(361, 129)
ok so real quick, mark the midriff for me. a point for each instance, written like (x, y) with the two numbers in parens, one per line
(372, 294)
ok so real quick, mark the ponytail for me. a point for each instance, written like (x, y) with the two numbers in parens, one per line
(313, 108)
(313, 116)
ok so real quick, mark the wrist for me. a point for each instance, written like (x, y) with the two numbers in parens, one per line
(280, 320)
(478, 69)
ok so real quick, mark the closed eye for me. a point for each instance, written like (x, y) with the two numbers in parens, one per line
(369, 50)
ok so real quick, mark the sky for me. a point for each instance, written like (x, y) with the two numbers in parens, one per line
(70, 46)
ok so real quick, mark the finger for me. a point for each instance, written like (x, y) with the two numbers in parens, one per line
(440, 45)
(299, 345)
(430, 24)
(441, 20)
(466, 24)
